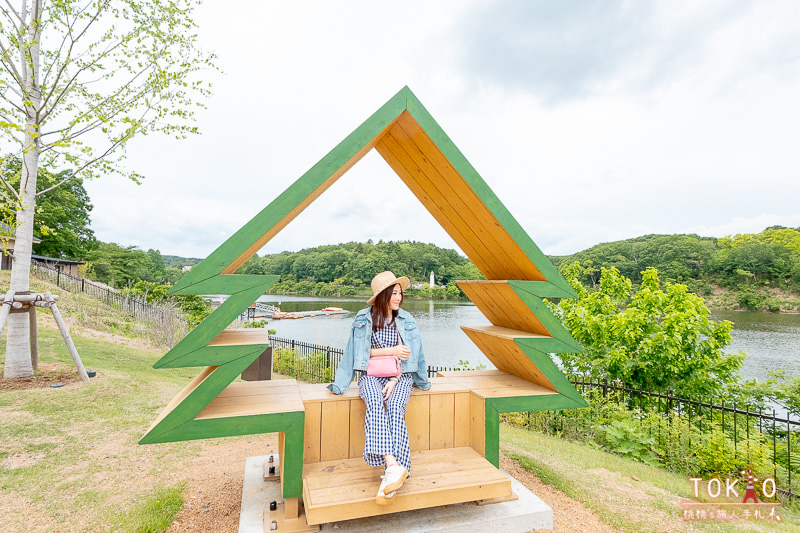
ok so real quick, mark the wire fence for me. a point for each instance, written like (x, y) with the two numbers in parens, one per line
(138, 309)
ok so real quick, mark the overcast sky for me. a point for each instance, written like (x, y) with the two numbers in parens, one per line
(592, 121)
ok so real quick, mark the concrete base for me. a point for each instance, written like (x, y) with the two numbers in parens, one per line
(518, 516)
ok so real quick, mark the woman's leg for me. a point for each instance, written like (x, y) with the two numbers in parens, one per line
(396, 406)
(377, 435)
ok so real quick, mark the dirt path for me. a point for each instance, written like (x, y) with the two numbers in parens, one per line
(214, 491)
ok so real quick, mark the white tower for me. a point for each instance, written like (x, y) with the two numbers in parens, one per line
(431, 284)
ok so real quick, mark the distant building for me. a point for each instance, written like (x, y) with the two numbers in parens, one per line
(432, 285)
(7, 244)
(186, 268)
(63, 265)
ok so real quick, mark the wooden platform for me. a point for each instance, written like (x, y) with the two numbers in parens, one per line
(345, 489)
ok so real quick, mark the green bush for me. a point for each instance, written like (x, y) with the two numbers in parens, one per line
(290, 362)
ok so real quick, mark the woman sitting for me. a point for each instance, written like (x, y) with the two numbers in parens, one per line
(384, 329)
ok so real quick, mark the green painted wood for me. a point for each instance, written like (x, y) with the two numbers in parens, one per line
(291, 424)
(491, 447)
(540, 402)
(206, 331)
(545, 316)
(549, 369)
(292, 460)
(513, 404)
(544, 289)
(225, 284)
(200, 397)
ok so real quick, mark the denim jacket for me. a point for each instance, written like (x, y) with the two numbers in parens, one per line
(356, 354)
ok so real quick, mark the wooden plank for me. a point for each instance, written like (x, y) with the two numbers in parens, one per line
(312, 435)
(358, 411)
(477, 415)
(446, 189)
(436, 135)
(452, 222)
(505, 333)
(335, 430)
(343, 490)
(462, 419)
(442, 429)
(417, 422)
(238, 337)
(507, 356)
(498, 301)
(513, 261)
(214, 410)
(354, 484)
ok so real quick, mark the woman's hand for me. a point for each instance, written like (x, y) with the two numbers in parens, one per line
(401, 351)
(388, 388)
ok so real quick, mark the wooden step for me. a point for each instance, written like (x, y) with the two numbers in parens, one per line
(345, 489)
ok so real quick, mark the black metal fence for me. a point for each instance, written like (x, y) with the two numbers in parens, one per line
(743, 431)
(312, 362)
(138, 309)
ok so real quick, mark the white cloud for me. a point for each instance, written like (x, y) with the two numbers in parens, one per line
(689, 126)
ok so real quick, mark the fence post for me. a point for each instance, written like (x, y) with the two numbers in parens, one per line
(789, 451)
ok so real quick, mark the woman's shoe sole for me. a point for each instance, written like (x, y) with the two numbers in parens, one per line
(388, 489)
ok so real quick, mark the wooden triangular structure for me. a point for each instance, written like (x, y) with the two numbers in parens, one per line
(521, 335)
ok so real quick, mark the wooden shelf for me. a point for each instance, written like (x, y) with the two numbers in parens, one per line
(240, 337)
(505, 333)
(254, 398)
(345, 489)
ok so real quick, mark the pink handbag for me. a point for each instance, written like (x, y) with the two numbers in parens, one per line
(383, 366)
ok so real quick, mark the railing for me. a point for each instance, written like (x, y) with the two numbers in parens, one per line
(138, 309)
(736, 425)
(310, 362)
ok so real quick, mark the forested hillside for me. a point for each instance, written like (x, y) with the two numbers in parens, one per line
(346, 269)
(756, 271)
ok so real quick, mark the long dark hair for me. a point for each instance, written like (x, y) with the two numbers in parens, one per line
(381, 306)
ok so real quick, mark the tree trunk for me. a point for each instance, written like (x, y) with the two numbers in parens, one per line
(18, 354)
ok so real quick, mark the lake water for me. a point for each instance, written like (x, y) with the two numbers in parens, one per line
(771, 341)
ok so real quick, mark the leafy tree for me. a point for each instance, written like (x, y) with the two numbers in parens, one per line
(62, 214)
(194, 305)
(116, 265)
(79, 79)
(652, 339)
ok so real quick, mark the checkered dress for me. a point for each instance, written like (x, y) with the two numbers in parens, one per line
(385, 429)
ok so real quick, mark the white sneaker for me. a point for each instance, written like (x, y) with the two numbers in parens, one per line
(384, 499)
(392, 479)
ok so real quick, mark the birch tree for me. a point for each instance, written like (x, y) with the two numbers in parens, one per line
(78, 80)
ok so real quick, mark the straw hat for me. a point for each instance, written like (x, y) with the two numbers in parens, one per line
(383, 280)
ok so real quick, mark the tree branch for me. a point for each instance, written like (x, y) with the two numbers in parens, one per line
(14, 11)
(9, 66)
(116, 144)
(73, 40)
(8, 187)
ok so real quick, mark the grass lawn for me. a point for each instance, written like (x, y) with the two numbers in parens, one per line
(628, 495)
(69, 458)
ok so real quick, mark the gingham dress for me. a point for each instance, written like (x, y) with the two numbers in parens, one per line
(385, 429)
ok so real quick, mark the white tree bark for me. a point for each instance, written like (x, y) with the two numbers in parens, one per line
(18, 354)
